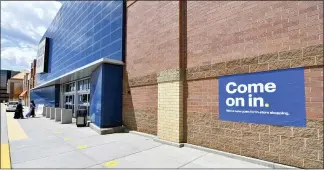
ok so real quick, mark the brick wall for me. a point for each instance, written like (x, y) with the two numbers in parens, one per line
(152, 37)
(226, 38)
(151, 47)
(140, 109)
(170, 106)
(226, 30)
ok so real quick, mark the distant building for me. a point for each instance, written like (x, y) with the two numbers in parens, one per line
(29, 82)
(32, 80)
(5, 76)
(15, 86)
(25, 93)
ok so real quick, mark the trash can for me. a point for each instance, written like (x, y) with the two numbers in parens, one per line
(81, 119)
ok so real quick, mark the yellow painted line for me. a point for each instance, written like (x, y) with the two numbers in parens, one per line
(82, 147)
(66, 139)
(111, 163)
(5, 157)
(15, 131)
(58, 133)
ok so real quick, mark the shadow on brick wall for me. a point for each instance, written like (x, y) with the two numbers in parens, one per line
(128, 112)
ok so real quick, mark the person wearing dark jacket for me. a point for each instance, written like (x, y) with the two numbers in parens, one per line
(32, 109)
(33, 106)
(19, 111)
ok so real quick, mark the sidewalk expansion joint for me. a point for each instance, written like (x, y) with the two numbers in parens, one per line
(193, 160)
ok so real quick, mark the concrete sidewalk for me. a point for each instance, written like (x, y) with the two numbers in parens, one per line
(53, 145)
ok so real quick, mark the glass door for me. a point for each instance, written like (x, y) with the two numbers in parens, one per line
(84, 102)
(83, 92)
(69, 102)
(69, 97)
(76, 96)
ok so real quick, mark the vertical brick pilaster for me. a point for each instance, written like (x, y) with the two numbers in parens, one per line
(170, 106)
(170, 89)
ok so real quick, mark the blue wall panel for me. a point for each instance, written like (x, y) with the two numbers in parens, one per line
(96, 96)
(82, 32)
(112, 96)
(49, 96)
(106, 92)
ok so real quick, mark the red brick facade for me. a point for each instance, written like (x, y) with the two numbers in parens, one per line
(151, 47)
(152, 37)
(226, 30)
(226, 38)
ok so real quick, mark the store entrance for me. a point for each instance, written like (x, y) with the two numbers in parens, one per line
(76, 96)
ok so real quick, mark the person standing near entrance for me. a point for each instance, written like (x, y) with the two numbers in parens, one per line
(19, 111)
(31, 111)
(33, 106)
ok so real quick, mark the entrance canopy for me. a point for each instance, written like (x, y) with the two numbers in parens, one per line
(79, 73)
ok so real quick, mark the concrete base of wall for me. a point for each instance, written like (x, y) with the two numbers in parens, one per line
(104, 131)
(155, 138)
(239, 157)
(139, 133)
(179, 145)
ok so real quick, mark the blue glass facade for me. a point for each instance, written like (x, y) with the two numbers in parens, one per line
(49, 96)
(83, 32)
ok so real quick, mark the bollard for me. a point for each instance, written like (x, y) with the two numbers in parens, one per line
(66, 116)
(48, 112)
(58, 114)
(44, 111)
(52, 115)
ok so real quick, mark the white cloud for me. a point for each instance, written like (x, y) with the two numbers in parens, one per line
(41, 30)
(23, 23)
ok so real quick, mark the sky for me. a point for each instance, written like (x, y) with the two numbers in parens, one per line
(23, 24)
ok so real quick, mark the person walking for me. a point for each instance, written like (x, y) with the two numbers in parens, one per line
(19, 111)
(31, 110)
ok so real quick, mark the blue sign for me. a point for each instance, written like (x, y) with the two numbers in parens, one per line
(273, 97)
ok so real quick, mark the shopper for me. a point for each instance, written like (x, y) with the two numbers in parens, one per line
(19, 111)
(31, 111)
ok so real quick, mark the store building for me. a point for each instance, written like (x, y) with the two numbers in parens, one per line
(240, 77)
(80, 61)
